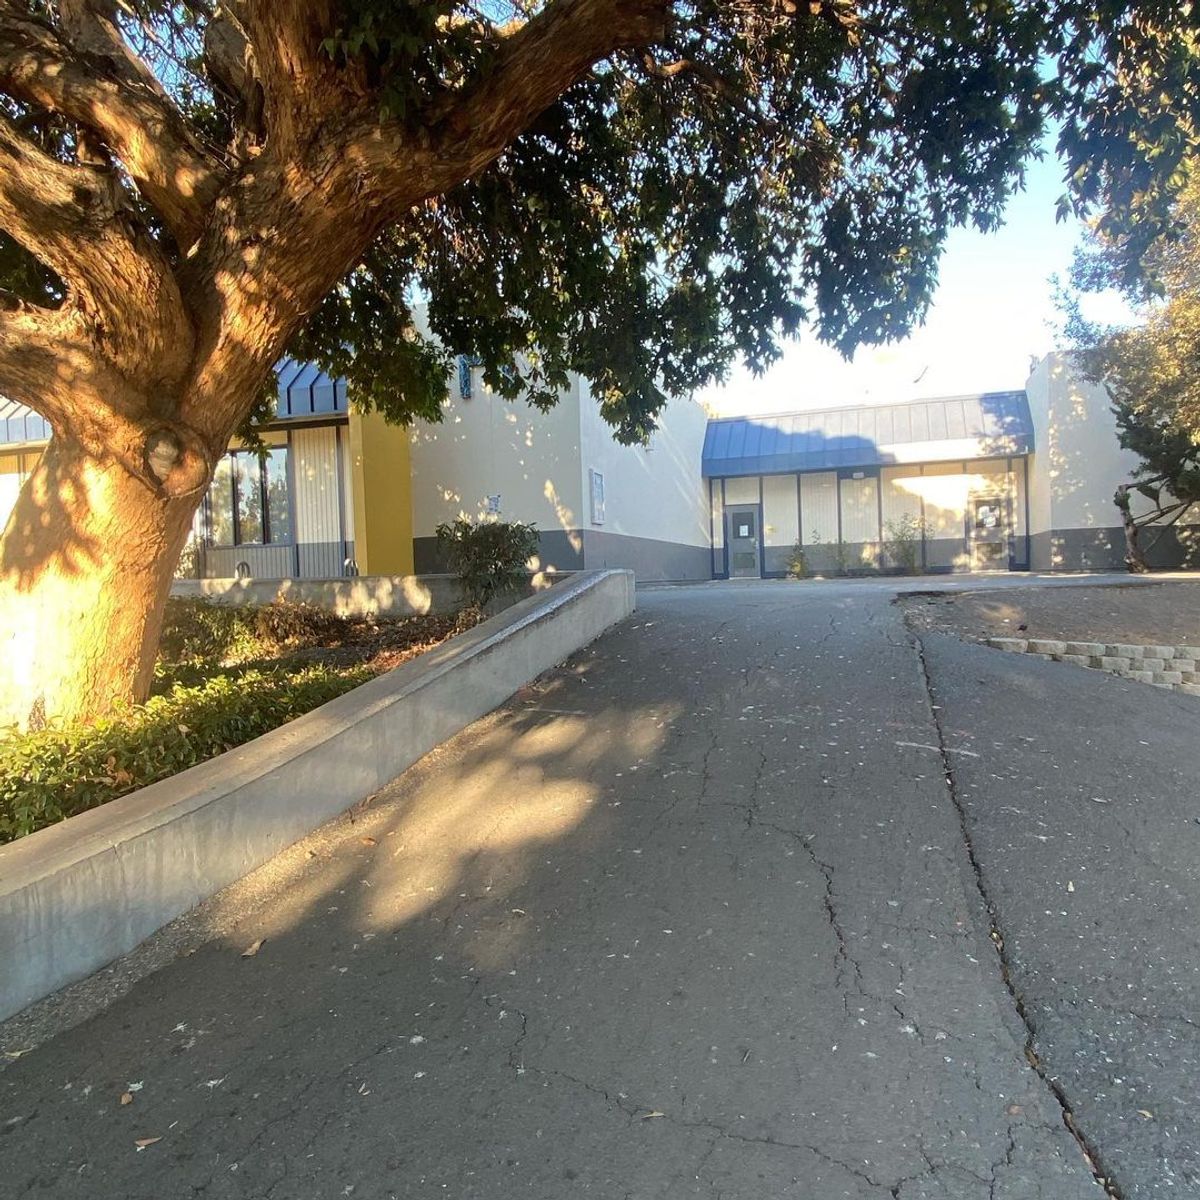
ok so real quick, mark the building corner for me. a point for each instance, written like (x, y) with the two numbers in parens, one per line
(380, 466)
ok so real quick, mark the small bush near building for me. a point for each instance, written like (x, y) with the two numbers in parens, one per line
(490, 557)
(797, 563)
(902, 542)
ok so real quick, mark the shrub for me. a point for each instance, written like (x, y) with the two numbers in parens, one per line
(490, 557)
(55, 773)
(200, 630)
(797, 563)
(902, 542)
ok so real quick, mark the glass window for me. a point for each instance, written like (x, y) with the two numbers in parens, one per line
(256, 491)
(279, 515)
(248, 477)
(220, 504)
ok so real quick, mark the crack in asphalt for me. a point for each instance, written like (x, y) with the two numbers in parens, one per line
(1007, 1161)
(1087, 1147)
(843, 959)
(633, 1110)
(752, 804)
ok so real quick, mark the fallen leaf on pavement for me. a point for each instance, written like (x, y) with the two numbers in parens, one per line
(252, 949)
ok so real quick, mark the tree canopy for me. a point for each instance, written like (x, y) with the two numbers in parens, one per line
(1150, 366)
(685, 192)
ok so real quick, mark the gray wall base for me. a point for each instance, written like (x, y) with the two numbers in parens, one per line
(648, 558)
(1103, 549)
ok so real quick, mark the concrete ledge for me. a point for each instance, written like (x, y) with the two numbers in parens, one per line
(356, 596)
(79, 894)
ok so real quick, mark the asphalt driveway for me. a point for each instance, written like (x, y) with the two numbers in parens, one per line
(724, 907)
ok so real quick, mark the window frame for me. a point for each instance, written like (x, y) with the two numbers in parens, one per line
(259, 473)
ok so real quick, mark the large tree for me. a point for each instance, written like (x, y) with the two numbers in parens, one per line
(637, 190)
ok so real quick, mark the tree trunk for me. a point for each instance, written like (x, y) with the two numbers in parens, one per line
(1135, 557)
(86, 564)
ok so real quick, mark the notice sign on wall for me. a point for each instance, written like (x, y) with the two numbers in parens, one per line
(987, 514)
(597, 487)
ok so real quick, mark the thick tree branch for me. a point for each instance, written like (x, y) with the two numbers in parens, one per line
(78, 221)
(534, 65)
(49, 364)
(97, 85)
(35, 346)
(295, 74)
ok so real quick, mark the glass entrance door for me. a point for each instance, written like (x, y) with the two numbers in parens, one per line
(744, 556)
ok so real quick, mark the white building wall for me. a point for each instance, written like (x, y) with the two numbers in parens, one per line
(487, 446)
(655, 491)
(492, 455)
(1076, 467)
(1037, 389)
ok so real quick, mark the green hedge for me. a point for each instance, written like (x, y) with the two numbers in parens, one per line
(53, 774)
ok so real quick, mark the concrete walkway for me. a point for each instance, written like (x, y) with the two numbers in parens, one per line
(704, 913)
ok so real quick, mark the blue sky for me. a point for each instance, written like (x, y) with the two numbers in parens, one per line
(993, 311)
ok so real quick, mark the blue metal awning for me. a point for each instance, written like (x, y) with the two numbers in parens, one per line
(303, 391)
(989, 425)
(306, 391)
(18, 425)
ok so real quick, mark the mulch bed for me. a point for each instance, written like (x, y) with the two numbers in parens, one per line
(381, 643)
(1159, 613)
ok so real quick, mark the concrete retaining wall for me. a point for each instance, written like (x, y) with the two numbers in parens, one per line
(1176, 667)
(77, 895)
(359, 596)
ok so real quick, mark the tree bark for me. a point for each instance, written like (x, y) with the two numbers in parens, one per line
(86, 564)
(1135, 557)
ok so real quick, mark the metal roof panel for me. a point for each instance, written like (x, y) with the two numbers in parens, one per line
(986, 425)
